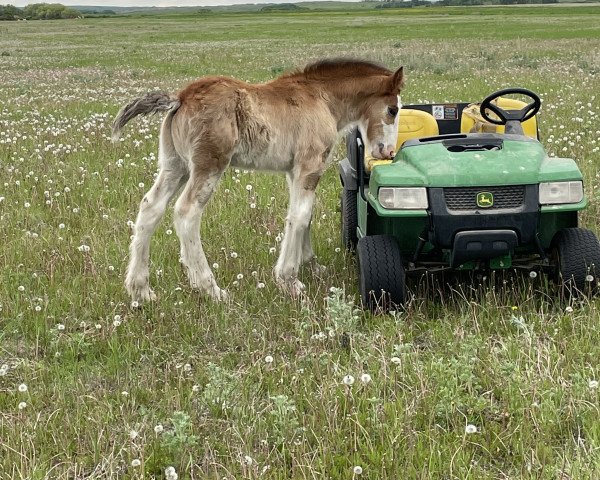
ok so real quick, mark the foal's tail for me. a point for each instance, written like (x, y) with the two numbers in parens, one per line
(150, 103)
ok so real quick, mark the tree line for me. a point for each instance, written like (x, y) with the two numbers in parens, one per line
(38, 11)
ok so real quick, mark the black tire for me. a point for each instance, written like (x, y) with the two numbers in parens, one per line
(576, 252)
(349, 219)
(381, 276)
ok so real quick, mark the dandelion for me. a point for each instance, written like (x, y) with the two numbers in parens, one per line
(195, 388)
(234, 255)
(133, 434)
(395, 360)
(22, 405)
(116, 322)
(38, 308)
(268, 359)
(170, 473)
(215, 266)
(136, 462)
(248, 460)
(593, 384)
(470, 429)
(365, 378)
(514, 307)
(111, 268)
(135, 304)
(569, 309)
(532, 274)
(83, 248)
(260, 285)
(169, 231)
(357, 470)
(589, 278)
(61, 226)
(61, 326)
(21, 288)
(348, 380)
(249, 187)
(158, 428)
(22, 388)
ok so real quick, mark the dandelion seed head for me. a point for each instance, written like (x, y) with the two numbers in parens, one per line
(357, 470)
(470, 428)
(348, 380)
(22, 388)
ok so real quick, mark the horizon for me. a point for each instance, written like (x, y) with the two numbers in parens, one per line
(158, 3)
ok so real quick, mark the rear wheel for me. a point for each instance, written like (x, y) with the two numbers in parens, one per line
(382, 280)
(576, 252)
(349, 219)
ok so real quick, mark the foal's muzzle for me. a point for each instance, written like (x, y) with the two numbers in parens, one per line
(383, 151)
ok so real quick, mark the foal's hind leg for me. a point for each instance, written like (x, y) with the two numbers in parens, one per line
(171, 177)
(152, 209)
(188, 214)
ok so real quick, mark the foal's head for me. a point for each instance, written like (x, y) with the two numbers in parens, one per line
(378, 123)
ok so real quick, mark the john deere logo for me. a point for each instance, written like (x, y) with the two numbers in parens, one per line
(485, 199)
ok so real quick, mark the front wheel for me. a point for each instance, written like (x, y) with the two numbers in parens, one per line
(576, 252)
(382, 280)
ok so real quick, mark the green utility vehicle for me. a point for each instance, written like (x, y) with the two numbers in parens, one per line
(467, 190)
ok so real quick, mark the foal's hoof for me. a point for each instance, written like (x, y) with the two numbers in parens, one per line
(218, 294)
(141, 295)
(139, 291)
(292, 285)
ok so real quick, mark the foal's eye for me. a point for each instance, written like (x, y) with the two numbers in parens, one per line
(393, 111)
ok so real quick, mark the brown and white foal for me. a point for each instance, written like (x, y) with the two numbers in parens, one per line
(287, 125)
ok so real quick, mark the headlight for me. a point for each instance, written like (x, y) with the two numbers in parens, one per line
(403, 198)
(552, 193)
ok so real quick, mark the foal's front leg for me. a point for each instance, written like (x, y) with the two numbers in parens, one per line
(293, 247)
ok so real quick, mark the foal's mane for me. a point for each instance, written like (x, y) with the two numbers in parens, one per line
(339, 67)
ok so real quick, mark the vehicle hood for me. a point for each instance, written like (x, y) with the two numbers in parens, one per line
(516, 162)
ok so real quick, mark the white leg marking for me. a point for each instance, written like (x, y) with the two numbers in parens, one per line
(297, 226)
(188, 215)
(151, 211)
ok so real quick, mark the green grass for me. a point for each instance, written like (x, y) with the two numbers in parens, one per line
(498, 353)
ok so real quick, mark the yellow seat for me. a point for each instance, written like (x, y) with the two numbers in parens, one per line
(472, 121)
(412, 124)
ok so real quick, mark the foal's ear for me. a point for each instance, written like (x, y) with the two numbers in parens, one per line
(396, 81)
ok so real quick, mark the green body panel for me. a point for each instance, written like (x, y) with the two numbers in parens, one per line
(518, 162)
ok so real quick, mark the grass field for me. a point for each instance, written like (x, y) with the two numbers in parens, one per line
(490, 380)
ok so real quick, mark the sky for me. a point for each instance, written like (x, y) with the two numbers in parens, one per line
(145, 3)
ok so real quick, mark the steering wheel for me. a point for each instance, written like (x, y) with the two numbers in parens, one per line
(505, 116)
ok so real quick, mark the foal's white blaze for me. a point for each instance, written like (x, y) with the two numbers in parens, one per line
(390, 134)
(385, 147)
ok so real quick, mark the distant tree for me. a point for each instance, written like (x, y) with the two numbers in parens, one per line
(49, 11)
(10, 12)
